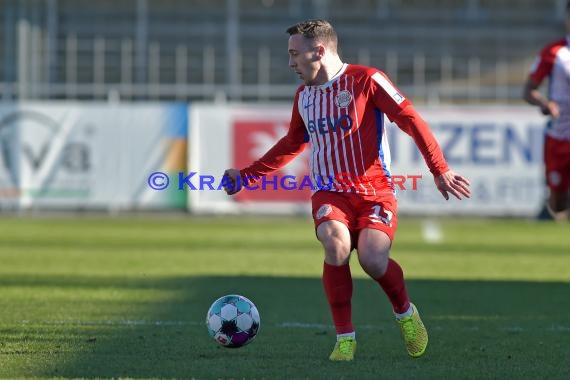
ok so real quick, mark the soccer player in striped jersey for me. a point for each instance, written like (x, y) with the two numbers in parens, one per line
(554, 63)
(339, 112)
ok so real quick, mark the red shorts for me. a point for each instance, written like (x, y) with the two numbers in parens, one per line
(557, 164)
(356, 211)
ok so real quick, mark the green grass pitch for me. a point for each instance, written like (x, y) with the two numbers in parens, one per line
(127, 297)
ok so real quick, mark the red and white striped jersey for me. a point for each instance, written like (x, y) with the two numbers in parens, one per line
(554, 63)
(343, 121)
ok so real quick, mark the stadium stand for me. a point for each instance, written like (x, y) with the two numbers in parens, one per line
(437, 50)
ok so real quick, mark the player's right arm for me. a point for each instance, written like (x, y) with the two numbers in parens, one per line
(283, 152)
(542, 68)
(533, 96)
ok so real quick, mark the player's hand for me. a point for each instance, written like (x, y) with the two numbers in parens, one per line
(551, 109)
(235, 186)
(452, 183)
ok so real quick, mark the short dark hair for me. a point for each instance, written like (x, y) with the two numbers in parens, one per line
(317, 29)
(568, 5)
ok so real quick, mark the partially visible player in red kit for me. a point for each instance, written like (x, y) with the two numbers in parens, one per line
(554, 63)
(339, 112)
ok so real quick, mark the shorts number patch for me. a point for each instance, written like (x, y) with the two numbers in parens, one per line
(380, 214)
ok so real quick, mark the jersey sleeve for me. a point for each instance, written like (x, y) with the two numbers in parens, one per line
(386, 96)
(400, 110)
(411, 122)
(542, 66)
(283, 152)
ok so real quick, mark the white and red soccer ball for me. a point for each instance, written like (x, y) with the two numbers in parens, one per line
(233, 321)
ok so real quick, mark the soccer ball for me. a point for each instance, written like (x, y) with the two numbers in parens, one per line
(233, 321)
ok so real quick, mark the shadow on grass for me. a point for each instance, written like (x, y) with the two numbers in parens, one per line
(153, 327)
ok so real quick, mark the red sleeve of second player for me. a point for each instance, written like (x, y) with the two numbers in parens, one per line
(542, 66)
(285, 150)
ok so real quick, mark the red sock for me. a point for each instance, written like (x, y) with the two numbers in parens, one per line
(393, 285)
(337, 282)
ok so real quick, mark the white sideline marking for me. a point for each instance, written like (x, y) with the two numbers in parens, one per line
(558, 328)
(110, 322)
(285, 325)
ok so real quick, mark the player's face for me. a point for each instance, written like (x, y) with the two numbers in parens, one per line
(304, 58)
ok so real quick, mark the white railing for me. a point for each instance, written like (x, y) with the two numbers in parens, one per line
(47, 65)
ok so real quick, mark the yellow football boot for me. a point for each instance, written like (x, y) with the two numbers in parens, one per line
(344, 349)
(414, 333)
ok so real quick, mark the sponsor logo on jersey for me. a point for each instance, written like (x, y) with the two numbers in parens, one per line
(326, 124)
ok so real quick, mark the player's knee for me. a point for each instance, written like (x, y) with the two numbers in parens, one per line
(374, 261)
(337, 251)
(336, 243)
(337, 248)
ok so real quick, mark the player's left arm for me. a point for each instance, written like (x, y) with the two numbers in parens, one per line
(446, 180)
(401, 111)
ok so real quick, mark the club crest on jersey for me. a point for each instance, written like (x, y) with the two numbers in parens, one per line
(343, 99)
